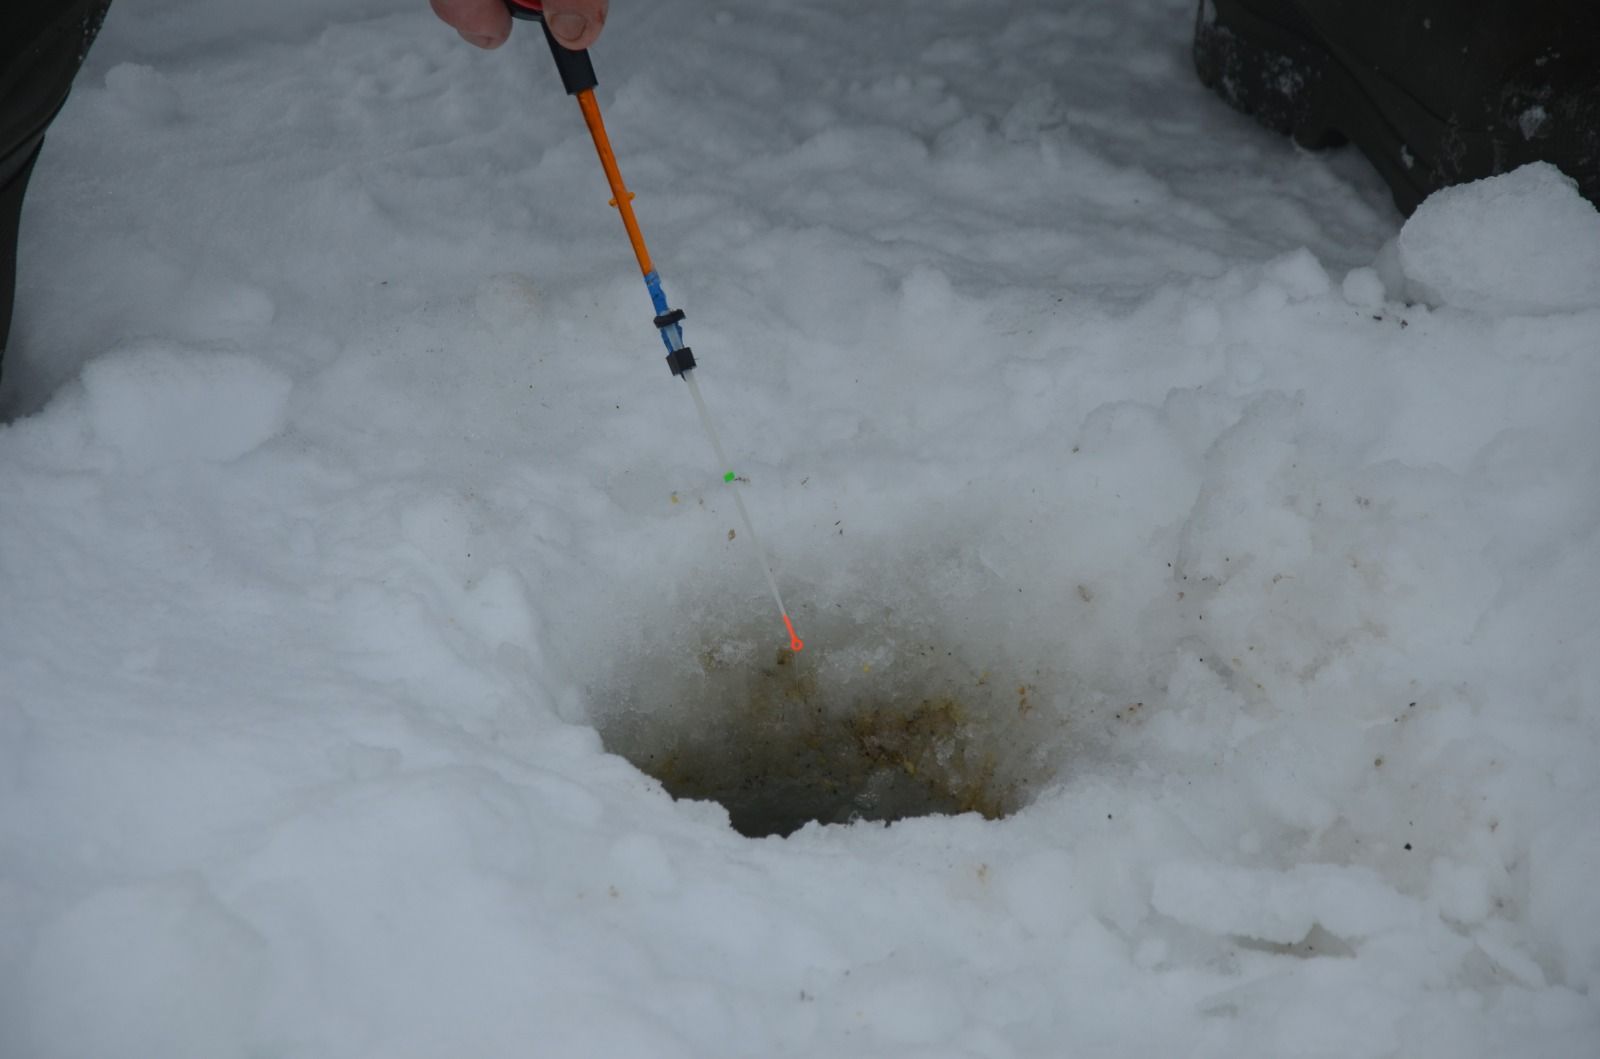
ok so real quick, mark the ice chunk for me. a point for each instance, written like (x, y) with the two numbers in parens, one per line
(1521, 243)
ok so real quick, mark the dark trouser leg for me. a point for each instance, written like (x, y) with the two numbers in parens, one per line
(10, 217)
(42, 44)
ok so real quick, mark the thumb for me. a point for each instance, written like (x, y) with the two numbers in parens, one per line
(485, 23)
(575, 24)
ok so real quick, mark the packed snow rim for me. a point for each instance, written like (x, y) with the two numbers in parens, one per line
(878, 719)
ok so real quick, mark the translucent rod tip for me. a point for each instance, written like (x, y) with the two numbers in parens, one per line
(795, 643)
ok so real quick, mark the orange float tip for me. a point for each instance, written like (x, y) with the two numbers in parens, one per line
(795, 643)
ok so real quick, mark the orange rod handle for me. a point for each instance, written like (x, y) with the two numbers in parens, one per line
(622, 198)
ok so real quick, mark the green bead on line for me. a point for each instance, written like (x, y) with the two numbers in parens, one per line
(728, 477)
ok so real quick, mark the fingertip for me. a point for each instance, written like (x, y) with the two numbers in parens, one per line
(569, 28)
(575, 24)
(482, 40)
(481, 23)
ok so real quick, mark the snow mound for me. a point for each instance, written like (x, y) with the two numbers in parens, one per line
(191, 1000)
(158, 404)
(1521, 243)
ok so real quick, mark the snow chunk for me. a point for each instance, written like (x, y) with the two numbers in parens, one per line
(1517, 244)
(1281, 906)
(1300, 274)
(1530, 121)
(156, 404)
(1363, 288)
(1040, 890)
(157, 968)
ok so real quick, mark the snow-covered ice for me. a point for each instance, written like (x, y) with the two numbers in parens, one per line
(345, 500)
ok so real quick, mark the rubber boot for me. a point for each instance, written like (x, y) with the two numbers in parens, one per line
(42, 44)
(1433, 92)
(11, 192)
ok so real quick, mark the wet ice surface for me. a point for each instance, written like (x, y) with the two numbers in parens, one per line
(350, 499)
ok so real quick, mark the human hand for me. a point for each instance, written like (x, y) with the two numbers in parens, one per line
(575, 24)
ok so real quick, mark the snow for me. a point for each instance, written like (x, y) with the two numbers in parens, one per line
(349, 512)
(1283, 907)
(154, 405)
(1522, 242)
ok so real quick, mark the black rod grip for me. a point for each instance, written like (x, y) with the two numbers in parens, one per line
(577, 72)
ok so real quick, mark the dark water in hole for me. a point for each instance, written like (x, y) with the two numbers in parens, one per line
(789, 739)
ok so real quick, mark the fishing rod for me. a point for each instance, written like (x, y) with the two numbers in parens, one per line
(578, 78)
